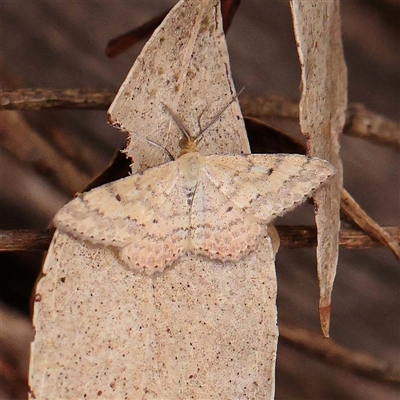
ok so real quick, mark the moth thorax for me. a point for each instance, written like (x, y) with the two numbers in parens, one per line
(187, 145)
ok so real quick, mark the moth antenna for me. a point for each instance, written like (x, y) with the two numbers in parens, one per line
(170, 156)
(199, 118)
(178, 122)
(215, 119)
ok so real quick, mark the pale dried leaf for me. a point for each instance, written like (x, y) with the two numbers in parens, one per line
(196, 329)
(322, 116)
(189, 70)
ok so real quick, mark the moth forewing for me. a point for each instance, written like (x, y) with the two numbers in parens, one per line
(211, 206)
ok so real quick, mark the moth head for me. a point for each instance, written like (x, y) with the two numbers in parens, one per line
(187, 143)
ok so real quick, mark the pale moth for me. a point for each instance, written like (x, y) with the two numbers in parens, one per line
(211, 206)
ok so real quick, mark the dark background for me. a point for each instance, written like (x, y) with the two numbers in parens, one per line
(61, 44)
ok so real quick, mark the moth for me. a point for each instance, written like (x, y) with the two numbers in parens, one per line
(211, 206)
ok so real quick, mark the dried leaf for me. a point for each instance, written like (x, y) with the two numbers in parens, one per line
(322, 116)
(123, 42)
(196, 330)
(183, 78)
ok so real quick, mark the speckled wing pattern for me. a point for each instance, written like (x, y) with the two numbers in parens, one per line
(212, 206)
(266, 186)
(219, 229)
(146, 216)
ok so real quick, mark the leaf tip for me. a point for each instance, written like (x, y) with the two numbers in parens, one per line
(325, 319)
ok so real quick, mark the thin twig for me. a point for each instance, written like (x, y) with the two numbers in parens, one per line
(24, 240)
(60, 165)
(334, 354)
(123, 42)
(350, 208)
(365, 124)
(273, 106)
(85, 98)
(360, 121)
(292, 237)
(38, 99)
